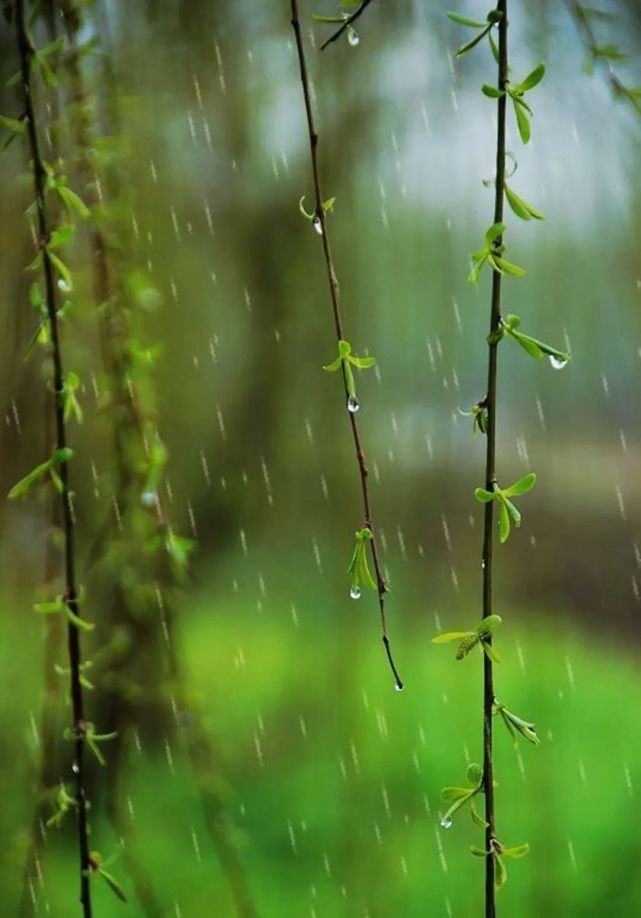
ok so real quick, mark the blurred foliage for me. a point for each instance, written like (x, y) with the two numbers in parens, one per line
(330, 780)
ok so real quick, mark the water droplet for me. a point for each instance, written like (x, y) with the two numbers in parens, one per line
(64, 286)
(446, 823)
(557, 363)
(318, 226)
(399, 687)
(353, 37)
(355, 592)
(75, 768)
(353, 404)
(149, 498)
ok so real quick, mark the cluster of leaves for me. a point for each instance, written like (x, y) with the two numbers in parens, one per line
(508, 513)
(516, 92)
(86, 732)
(61, 606)
(510, 325)
(498, 852)
(468, 640)
(492, 254)
(358, 569)
(347, 360)
(315, 217)
(98, 868)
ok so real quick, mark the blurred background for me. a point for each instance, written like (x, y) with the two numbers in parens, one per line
(264, 764)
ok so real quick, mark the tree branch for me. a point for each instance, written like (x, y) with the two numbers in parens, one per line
(338, 324)
(348, 22)
(26, 52)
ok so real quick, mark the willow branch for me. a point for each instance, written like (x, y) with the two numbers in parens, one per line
(346, 24)
(490, 473)
(338, 325)
(584, 27)
(26, 51)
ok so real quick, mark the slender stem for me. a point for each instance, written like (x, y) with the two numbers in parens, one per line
(25, 50)
(490, 475)
(381, 586)
(346, 24)
(586, 31)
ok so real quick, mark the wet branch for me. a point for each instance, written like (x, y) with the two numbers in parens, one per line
(338, 322)
(26, 52)
(346, 24)
(490, 474)
(584, 27)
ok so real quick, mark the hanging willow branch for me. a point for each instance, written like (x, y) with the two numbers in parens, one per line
(59, 461)
(344, 361)
(605, 55)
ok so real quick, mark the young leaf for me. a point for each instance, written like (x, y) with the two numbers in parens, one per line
(465, 21)
(532, 79)
(522, 486)
(522, 120)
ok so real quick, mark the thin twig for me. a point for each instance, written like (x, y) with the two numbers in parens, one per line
(338, 324)
(490, 473)
(26, 51)
(589, 39)
(346, 24)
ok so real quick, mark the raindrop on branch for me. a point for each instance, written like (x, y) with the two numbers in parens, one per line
(557, 363)
(318, 226)
(353, 37)
(446, 823)
(355, 592)
(353, 404)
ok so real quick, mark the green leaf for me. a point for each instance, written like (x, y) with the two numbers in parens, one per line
(532, 79)
(450, 636)
(344, 348)
(484, 496)
(301, 208)
(471, 44)
(61, 267)
(465, 21)
(522, 120)
(489, 623)
(504, 522)
(72, 201)
(500, 873)
(491, 91)
(333, 366)
(330, 20)
(454, 793)
(363, 363)
(478, 852)
(474, 774)
(113, 885)
(517, 851)
(61, 455)
(21, 487)
(49, 608)
(493, 47)
(522, 486)
(512, 510)
(477, 818)
(509, 268)
(329, 204)
(493, 232)
(490, 652)
(520, 207)
(78, 622)
(528, 344)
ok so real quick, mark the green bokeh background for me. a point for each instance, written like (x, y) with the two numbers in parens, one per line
(330, 778)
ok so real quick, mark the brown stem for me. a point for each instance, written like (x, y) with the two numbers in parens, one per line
(319, 215)
(490, 474)
(26, 52)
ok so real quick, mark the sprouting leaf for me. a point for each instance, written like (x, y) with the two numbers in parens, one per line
(450, 636)
(474, 774)
(492, 92)
(532, 79)
(517, 851)
(465, 20)
(522, 486)
(476, 816)
(474, 41)
(359, 567)
(500, 873)
(113, 884)
(330, 20)
(301, 208)
(504, 522)
(77, 621)
(62, 269)
(484, 496)
(520, 207)
(454, 793)
(489, 623)
(21, 487)
(328, 205)
(522, 120)
(72, 201)
(478, 852)
(506, 267)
